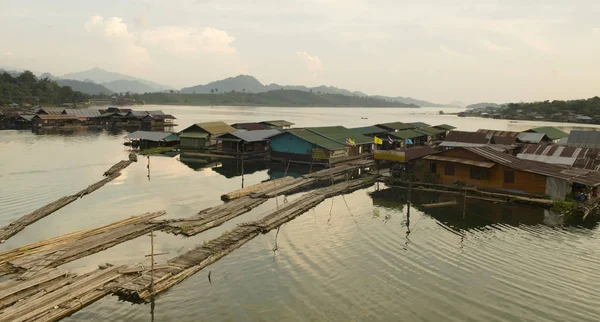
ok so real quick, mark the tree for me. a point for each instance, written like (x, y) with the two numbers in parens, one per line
(211, 90)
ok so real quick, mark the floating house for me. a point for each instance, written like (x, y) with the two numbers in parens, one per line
(433, 134)
(395, 126)
(371, 131)
(250, 126)
(319, 145)
(50, 111)
(246, 143)
(202, 135)
(278, 124)
(403, 139)
(54, 120)
(552, 133)
(147, 139)
(486, 168)
(583, 139)
(446, 128)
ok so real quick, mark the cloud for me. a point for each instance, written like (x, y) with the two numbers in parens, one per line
(313, 63)
(450, 52)
(8, 54)
(188, 40)
(489, 45)
(93, 22)
(596, 30)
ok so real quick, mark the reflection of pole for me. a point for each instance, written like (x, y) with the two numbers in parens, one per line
(465, 203)
(148, 167)
(152, 309)
(152, 264)
(242, 172)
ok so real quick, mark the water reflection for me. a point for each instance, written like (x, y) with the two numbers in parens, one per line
(479, 214)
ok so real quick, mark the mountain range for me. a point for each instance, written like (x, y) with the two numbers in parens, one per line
(97, 81)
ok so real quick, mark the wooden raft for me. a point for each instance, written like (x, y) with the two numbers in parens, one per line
(138, 289)
(246, 191)
(36, 257)
(54, 295)
(20, 224)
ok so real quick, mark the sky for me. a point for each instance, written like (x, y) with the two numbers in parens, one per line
(442, 51)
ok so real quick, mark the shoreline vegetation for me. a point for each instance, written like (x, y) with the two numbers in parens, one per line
(278, 98)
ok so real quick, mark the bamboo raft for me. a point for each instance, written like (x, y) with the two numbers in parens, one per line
(257, 187)
(54, 294)
(256, 196)
(37, 257)
(20, 224)
(142, 287)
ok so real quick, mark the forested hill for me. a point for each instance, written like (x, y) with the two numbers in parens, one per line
(26, 88)
(589, 107)
(271, 98)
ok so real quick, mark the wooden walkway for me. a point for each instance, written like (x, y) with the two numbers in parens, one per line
(257, 195)
(20, 224)
(183, 266)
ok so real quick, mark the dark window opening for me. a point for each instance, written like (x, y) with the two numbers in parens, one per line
(433, 167)
(478, 173)
(449, 169)
(509, 177)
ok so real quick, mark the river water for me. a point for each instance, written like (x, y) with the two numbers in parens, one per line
(358, 257)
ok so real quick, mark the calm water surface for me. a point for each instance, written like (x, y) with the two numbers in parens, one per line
(359, 257)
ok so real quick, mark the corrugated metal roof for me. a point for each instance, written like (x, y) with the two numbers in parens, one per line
(527, 137)
(317, 139)
(584, 158)
(499, 133)
(154, 113)
(279, 123)
(430, 130)
(584, 139)
(585, 177)
(552, 132)
(162, 117)
(250, 136)
(27, 117)
(139, 114)
(82, 112)
(445, 127)
(419, 124)
(250, 126)
(214, 128)
(366, 130)
(153, 136)
(51, 110)
(193, 135)
(498, 147)
(55, 117)
(481, 164)
(504, 140)
(397, 126)
(467, 137)
(340, 134)
(406, 134)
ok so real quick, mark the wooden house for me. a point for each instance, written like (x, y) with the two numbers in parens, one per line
(447, 128)
(250, 126)
(404, 139)
(278, 124)
(147, 139)
(552, 133)
(246, 142)
(202, 135)
(487, 168)
(395, 126)
(323, 145)
(54, 120)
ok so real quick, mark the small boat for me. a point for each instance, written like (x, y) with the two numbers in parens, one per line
(364, 118)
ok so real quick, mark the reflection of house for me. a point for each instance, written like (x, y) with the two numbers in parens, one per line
(319, 145)
(250, 126)
(202, 135)
(250, 142)
(278, 124)
(484, 167)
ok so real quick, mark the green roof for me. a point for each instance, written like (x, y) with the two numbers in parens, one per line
(194, 135)
(445, 127)
(368, 130)
(419, 124)
(397, 126)
(317, 139)
(406, 134)
(551, 132)
(340, 134)
(430, 130)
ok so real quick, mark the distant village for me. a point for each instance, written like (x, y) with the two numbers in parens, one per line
(496, 112)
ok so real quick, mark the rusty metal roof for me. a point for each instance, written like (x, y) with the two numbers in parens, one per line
(499, 133)
(55, 117)
(279, 123)
(481, 164)
(581, 176)
(584, 158)
(467, 137)
(584, 139)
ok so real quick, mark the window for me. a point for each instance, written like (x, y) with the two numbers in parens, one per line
(478, 173)
(449, 169)
(509, 177)
(433, 167)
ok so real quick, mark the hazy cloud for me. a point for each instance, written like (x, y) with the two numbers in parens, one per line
(489, 45)
(312, 63)
(188, 40)
(450, 52)
(8, 54)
